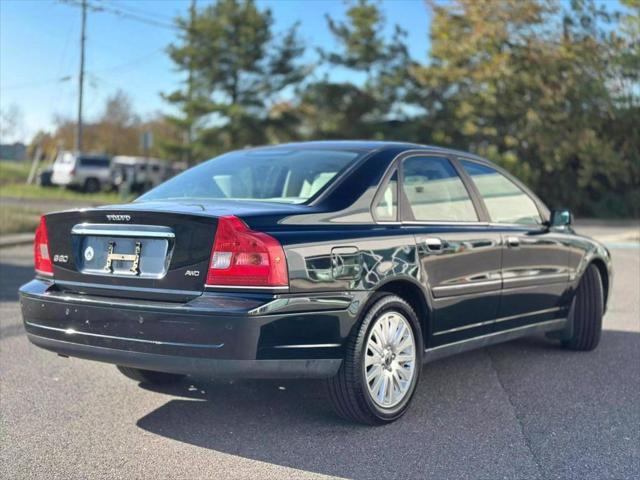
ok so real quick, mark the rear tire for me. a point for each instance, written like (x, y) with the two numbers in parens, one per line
(586, 312)
(150, 377)
(392, 324)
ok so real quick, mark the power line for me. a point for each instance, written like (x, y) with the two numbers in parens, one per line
(121, 13)
(133, 62)
(128, 8)
(40, 83)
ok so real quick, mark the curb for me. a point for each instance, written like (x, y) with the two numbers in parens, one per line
(15, 239)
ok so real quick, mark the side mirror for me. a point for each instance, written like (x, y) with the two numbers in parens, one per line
(560, 218)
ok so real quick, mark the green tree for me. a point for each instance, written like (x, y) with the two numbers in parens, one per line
(529, 86)
(236, 69)
(371, 106)
(191, 100)
(628, 58)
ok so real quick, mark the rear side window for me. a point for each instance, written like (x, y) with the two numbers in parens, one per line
(386, 208)
(505, 201)
(270, 175)
(435, 192)
(98, 162)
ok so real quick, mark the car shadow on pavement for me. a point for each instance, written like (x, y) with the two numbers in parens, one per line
(524, 409)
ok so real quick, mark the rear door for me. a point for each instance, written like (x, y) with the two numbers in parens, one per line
(459, 256)
(534, 259)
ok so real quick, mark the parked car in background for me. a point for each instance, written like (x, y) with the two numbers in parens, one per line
(138, 174)
(44, 177)
(350, 261)
(90, 173)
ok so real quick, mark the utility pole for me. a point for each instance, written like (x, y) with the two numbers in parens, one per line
(192, 16)
(81, 78)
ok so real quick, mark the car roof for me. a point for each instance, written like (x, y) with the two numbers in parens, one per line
(367, 146)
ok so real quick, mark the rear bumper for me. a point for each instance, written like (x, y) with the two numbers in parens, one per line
(222, 335)
(290, 368)
(62, 180)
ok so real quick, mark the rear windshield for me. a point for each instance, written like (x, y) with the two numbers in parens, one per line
(270, 175)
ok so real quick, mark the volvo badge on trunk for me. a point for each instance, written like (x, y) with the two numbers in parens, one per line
(119, 218)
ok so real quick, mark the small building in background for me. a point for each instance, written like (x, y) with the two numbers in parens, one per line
(13, 151)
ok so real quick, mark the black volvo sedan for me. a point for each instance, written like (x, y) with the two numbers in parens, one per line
(351, 261)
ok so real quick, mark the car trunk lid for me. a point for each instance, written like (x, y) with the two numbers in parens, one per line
(131, 253)
(147, 250)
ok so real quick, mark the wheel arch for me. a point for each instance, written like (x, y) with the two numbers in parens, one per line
(414, 294)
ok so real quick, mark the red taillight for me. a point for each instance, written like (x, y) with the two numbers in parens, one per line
(243, 257)
(41, 250)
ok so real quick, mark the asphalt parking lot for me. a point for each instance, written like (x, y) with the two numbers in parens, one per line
(525, 409)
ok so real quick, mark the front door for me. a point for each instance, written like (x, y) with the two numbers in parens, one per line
(459, 255)
(535, 260)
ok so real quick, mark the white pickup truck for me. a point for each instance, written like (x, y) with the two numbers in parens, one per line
(90, 173)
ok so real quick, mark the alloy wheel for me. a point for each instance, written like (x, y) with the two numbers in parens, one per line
(390, 359)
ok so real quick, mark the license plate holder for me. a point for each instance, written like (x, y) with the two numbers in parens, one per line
(122, 256)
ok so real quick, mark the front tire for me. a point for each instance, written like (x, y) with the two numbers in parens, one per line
(381, 368)
(586, 312)
(150, 377)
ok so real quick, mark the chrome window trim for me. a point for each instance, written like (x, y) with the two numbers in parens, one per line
(522, 226)
(435, 223)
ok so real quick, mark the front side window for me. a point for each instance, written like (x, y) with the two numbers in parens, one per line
(505, 201)
(386, 209)
(269, 175)
(435, 192)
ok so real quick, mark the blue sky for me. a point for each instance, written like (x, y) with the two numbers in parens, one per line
(39, 47)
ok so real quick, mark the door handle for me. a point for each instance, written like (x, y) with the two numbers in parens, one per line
(433, 244)
(513, 242)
